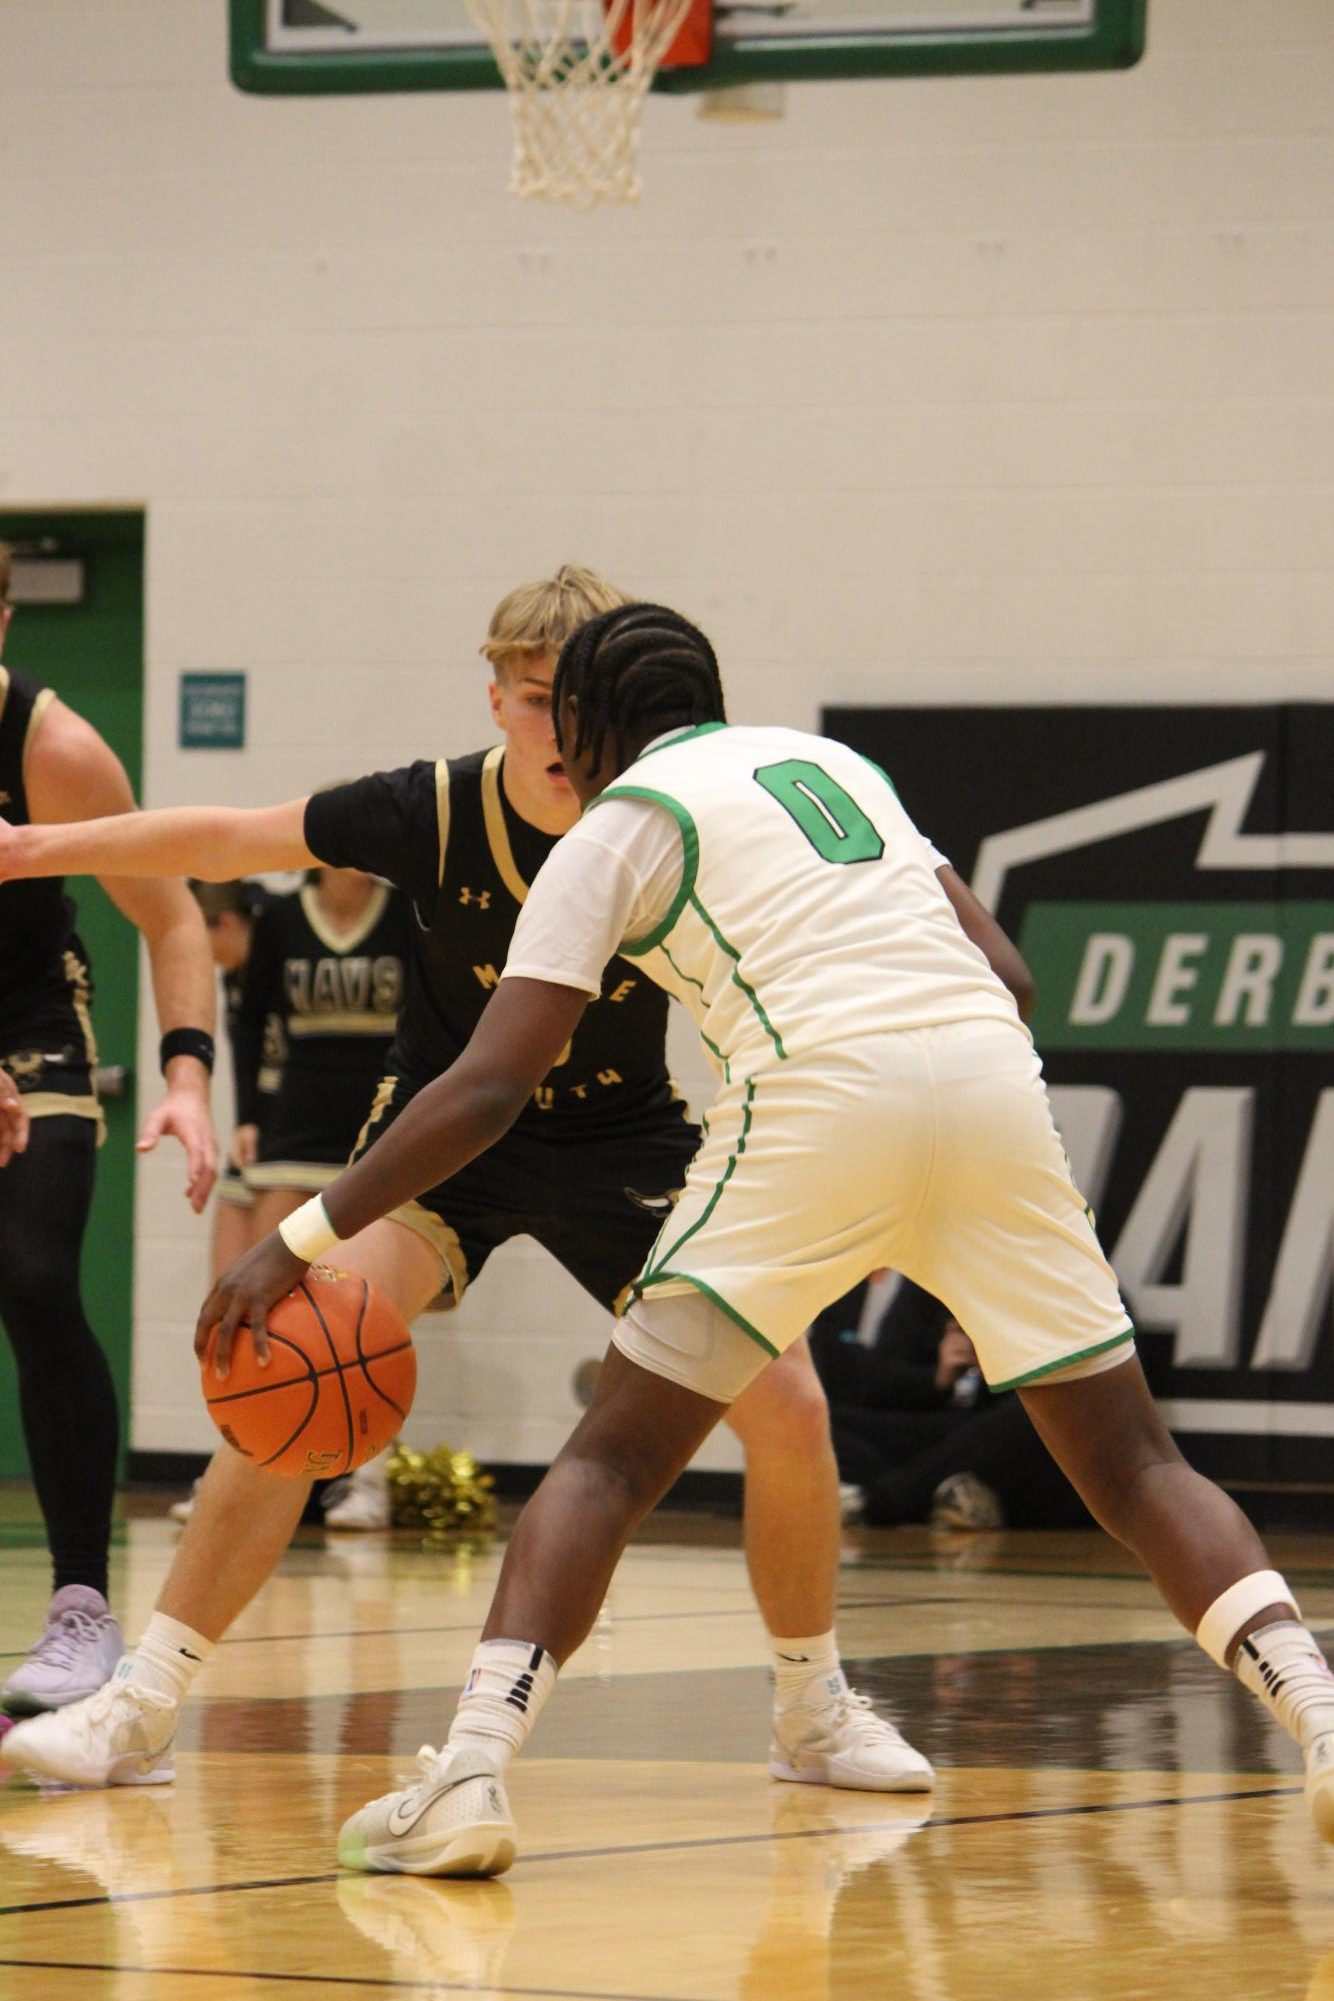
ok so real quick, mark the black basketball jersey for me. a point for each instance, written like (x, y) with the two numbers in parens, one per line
(328, 1003)
(446, 833)
(41, 959)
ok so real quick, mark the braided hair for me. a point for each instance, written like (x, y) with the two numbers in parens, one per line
(634, 672)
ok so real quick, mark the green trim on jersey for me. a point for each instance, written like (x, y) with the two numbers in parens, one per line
(690, 856)
(650, 1269)
(688, 1278)
(744, 985)
(686, 893)
(1066, 1362)
(708, 1041)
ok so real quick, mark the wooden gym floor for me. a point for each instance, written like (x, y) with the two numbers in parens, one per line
(1112, 1816)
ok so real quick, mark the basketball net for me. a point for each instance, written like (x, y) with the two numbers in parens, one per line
(576, 72)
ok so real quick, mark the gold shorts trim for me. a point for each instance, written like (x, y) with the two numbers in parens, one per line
(443, 1241)
(58, 1105)
(309, 1175)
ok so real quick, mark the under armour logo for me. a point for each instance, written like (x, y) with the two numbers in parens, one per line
(481, 897)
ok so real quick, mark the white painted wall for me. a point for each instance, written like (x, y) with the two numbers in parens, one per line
(964, 390)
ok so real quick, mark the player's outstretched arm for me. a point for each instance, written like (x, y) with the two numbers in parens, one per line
(87, 823)
(525, 1026)
(1003, 955)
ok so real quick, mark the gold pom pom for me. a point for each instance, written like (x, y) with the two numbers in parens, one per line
(443, 1494)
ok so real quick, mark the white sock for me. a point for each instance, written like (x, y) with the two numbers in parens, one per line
(503, 1696)
(1282, 1664)
(797, 1663)
(168, 1657)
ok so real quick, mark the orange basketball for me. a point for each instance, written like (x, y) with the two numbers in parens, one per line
(340, 1380)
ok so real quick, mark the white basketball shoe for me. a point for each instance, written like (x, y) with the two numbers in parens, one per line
(453, 1821)
(831, 1736)
(121, 1736)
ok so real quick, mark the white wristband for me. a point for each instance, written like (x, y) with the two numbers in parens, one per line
(307, 1232)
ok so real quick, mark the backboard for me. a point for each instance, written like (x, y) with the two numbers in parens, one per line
(298, 47)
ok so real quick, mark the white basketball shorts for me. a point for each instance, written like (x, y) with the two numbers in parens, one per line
(931, 1151)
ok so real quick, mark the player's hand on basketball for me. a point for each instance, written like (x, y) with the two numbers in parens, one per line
(13, 1119)
(185, 1115)
(242, 1298)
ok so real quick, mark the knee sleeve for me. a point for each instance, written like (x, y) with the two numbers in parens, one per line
(688, 1339)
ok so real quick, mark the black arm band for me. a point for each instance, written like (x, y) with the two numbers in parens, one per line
(186, 1042)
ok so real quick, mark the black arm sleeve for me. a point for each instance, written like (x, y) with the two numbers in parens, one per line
(385, 824)
(261, 995)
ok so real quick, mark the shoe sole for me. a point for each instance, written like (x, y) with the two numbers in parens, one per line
(905, 1782)
(49, 1781)
(468, 1851)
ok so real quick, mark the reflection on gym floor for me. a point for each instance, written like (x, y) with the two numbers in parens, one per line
(1112, 1816)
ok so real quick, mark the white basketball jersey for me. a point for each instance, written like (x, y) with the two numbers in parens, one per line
(808, 911)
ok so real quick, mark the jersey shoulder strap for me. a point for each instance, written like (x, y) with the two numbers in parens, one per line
(442, 803)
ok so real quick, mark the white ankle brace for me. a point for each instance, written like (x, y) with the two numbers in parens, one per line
(1233, 1607)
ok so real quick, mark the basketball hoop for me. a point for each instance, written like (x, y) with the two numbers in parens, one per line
(577, 72)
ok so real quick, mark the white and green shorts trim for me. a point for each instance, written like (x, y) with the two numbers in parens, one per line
(931, 1151)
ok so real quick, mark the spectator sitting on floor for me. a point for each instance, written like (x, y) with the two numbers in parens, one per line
(917, 1434)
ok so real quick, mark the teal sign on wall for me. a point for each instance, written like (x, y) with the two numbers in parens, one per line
(212, 715)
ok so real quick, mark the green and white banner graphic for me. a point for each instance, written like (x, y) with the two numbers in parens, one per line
(1169, 876)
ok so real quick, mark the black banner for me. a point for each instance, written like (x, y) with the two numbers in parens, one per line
(1169, 876)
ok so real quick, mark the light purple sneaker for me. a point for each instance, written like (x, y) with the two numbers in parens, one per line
(75, 1655)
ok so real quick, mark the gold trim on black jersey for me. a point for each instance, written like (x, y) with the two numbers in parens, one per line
(77, 974)
(441, 814)
(60, 1105)
(497, 833)
(39, 709)
(346, 1021)
(4, 690)
(343, 941)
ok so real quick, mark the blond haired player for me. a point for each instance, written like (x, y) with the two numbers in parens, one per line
(599, 1148)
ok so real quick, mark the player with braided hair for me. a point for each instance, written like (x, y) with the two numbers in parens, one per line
(594, 1161)
(653, 669)
(881, 1104)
